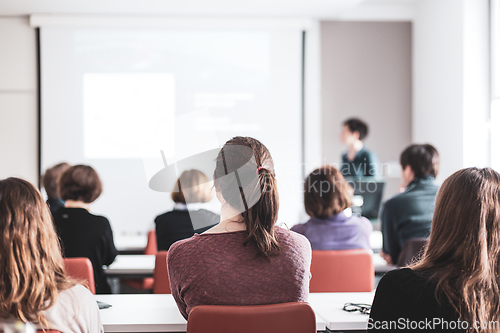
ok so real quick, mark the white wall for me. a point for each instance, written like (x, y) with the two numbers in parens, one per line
(450, 79)
(18, 100)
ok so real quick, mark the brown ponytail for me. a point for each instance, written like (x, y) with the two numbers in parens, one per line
(244, 174)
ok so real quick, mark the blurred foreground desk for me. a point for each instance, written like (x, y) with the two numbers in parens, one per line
(328, 306)
(149, 313)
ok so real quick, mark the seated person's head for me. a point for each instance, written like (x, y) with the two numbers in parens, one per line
(192, 187)
(464, 243)
(80, 183)
(419, 161)
(32, 271)
(51, 178)
(245, 184)
(353, 130)
(326, 193)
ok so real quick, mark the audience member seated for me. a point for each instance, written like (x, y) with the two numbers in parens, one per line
(34, 287)
(191, 193)
(83, 234)
(357, 161)
(245, 259)
(49, 181)
(409, 214)
(326, 197)
(455, 285)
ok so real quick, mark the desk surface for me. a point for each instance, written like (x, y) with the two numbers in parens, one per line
(328, 306)
(131, 265)
(149, 313)
(130, 243)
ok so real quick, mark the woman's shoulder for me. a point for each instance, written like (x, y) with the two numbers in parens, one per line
(292, 238)
(405, 280)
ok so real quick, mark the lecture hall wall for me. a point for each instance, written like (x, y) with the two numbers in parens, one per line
(449, 88)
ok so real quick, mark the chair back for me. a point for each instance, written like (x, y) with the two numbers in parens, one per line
(151, 246)
(161, 281)
(342, 271)
(81, 269)
(272, 318)
(412, 250)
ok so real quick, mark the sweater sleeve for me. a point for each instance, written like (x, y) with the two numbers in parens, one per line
(174, 273)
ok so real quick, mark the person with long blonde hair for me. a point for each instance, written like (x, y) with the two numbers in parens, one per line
(33, 283)
(456, 284)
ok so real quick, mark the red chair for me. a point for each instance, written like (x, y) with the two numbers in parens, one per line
(146, 283)
(342, 271)
(81, 269)
(161, 280)
(272, 318)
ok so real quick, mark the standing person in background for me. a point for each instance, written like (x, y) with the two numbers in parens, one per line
(83, 234)
(33, 284)
(326, 197)
(357, 161)
(50, 181)
(245, 259)
(409, 214)
(191, 193)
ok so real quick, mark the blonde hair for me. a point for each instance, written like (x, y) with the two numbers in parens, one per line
(32, 270)
(191, 187)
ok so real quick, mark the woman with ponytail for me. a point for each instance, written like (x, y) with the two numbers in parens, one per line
(245, 259)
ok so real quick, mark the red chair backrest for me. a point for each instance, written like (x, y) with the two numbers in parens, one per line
(342, 271)
(81, 269)
(272, 318)
(151, 246)
(161, 281)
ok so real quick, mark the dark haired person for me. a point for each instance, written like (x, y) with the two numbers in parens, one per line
(454, 287)
(189, 216)
(50, 180)
(326, 197)
(83, 234)
(409, 214)
(245, 259)
(357, 161)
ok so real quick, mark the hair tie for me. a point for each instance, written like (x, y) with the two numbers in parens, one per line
(258, 169)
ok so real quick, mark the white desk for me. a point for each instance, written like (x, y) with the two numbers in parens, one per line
(328, 306)
(131, 266)
(149, 313)
(130, 243)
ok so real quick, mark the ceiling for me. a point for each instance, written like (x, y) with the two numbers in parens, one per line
(331, 9)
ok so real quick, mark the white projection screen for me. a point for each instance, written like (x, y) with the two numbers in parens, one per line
(116, 99)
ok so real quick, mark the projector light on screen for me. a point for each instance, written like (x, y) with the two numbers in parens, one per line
(128, 115)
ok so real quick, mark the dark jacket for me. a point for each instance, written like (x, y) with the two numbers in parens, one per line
(55, 204)
(408, 215)
(85, 235)
(178, 224)
(364, 164)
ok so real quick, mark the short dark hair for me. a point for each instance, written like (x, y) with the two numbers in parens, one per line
(51, 178)
(321, 201)
(357, 125)
(80, 183)
(423, 160)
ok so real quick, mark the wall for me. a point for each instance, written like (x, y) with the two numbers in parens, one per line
(450, 91)
(366, 72)
(18, 100)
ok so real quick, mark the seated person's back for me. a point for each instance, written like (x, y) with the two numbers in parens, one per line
(83, 234)
(245, 259)
(453, 286)
(326, 197)
(409, 214)
(190, 194)
(39, 290)
(50, 180)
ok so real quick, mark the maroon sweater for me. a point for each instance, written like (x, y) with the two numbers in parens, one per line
(217, 269)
